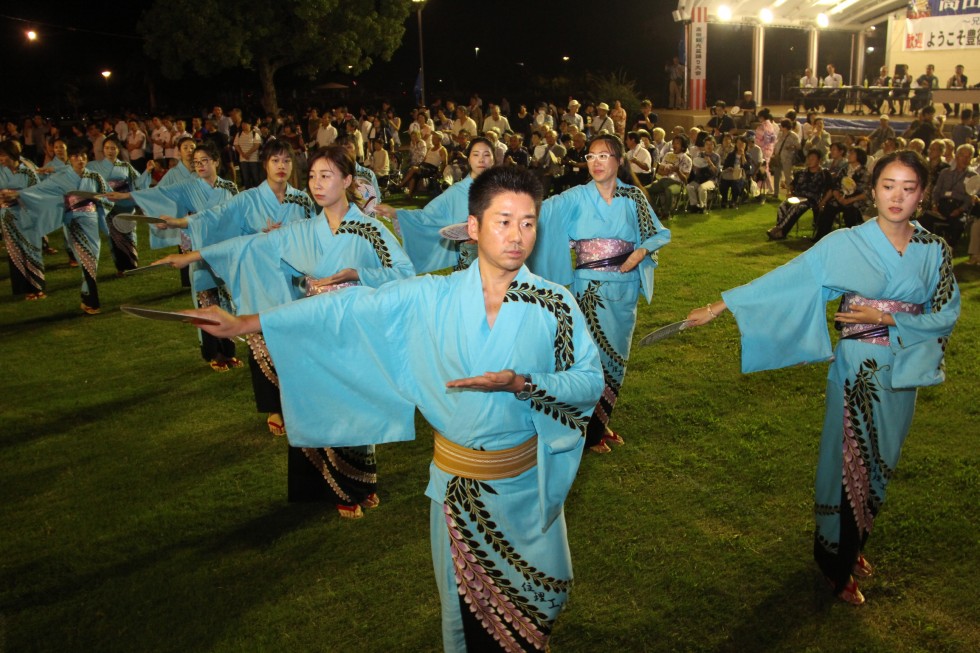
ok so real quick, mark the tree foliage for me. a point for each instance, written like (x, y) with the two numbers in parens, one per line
(309, 36)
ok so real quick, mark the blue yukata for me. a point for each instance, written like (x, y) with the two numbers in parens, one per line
(266, 270)
(26, 262)
(51, 204)
(419, 229)
(603, 236)
(499, 546)
(252, 212)
(159, 238)
(871, 386)
(123, 178)
(189, 197)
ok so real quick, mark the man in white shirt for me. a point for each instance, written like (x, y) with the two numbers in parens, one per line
(496, 121)
(602, 122)
(326, 133)
(221, 121)
(835, 98)
(160, 136)
(641, 162)
(808, 82)
(170, 150)
(463, 122)
(499, 148)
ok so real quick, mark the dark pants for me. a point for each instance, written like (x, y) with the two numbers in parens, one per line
(825, 219)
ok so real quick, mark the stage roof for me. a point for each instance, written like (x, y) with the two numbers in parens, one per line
(849, 15)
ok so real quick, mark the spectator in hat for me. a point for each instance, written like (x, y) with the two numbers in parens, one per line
(572, 117)
(602, 122)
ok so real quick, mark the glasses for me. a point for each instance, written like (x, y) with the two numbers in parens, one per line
(201, 162)
(602, 156)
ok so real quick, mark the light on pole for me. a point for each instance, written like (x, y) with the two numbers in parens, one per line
(31, 35)
(420, 4)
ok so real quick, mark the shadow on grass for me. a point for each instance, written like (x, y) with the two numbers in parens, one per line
(775, 623)
(49, 582)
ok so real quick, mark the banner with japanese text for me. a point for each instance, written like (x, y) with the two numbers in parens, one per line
(697, 44)
(938, 25)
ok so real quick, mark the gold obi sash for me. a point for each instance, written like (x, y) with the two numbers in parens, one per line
(485, 465)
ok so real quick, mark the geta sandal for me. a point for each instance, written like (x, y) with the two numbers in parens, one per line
(219, 366)
(371, 501)
(349, 512)
(602, 447)
(863, 568)
(611, 437)
(88, 310)
(276, 424)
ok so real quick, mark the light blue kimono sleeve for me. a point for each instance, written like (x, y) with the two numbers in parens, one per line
(919, 341)
(392, 261)
(217, 224)
(157, 201)
(343, 360)
(253, 271)
(43, 205)
(782, 315)
(550, 257)
(653, 236)
(563, 402)
(420, 229)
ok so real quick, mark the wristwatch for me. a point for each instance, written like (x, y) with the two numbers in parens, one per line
(525, 394)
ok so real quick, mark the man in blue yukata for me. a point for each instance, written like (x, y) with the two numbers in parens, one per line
(500, 363)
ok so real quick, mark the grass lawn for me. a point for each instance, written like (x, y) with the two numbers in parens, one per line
(144, 500)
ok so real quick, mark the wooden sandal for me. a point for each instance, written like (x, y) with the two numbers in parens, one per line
(863, 568)
(349, 512)
(602, 447)
(611, 437)
(371, 501)
(276, 424)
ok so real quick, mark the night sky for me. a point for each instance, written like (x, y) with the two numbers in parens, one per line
(518, 41)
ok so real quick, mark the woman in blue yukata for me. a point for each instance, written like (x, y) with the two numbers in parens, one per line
(616, 235)
(899, 303)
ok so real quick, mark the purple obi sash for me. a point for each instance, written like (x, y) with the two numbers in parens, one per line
(603, 254)
(77, 204)
(876, 334)
(119, 185)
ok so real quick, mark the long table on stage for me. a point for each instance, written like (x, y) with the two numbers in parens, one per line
(860, 97)
(956, 95)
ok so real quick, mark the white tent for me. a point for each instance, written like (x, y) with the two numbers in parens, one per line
(854, 16)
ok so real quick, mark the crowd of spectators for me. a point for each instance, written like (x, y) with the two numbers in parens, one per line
(742, 152)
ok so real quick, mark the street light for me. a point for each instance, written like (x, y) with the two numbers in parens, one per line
(31, 35)
(107, 74)
(421, 4)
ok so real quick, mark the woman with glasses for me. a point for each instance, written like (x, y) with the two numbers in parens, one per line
(197, 194)
(615, 234)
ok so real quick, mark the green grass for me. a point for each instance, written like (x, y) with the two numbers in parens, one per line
(144, 501)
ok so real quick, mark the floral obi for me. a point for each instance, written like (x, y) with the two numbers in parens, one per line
(79, 204)
(307, 284)
(603, 254)
(876, 334)
(120, 185)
